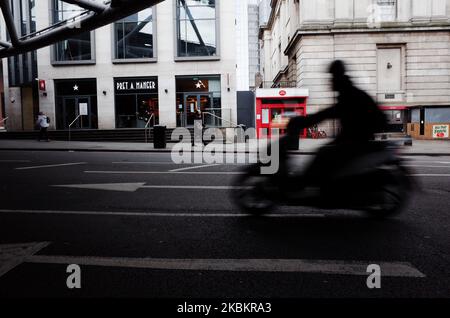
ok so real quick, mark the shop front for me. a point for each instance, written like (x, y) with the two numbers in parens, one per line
(199, 97)
(430, 123)
(76, 104)
(397, 118)
(137, 103)
(275, 107)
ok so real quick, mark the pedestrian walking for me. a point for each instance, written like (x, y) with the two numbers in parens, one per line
(42, 123)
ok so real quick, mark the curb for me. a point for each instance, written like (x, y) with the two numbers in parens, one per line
(309, 153)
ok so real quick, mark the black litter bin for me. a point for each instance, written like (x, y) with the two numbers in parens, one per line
(159, 137)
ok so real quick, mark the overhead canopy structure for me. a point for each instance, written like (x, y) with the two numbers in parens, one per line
(96, 14)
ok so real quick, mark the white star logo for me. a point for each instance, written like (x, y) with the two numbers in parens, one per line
(75, 88)
(199, 85)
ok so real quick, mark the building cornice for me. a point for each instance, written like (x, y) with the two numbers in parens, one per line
(359, 30)
(282, 72)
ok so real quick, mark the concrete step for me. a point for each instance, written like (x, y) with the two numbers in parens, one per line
(119, 135)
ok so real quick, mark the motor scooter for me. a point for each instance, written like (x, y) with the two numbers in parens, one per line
(374, 181)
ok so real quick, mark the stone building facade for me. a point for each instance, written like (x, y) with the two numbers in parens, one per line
(396, 50)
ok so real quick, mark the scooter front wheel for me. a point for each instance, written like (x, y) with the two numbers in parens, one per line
(250, 193)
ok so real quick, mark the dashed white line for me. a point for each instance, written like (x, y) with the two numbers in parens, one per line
(430, 175)
(165, 172)
(424, 166)
(53, 166)
(156, 214)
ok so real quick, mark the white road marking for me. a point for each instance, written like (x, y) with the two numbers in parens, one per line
(429, 175)
(328, 267)
(166, 163)
(153, 215)
(423, 166)
(193, 168)
(166, 172)
(133, 187)
(147, 163)
(12, 255)
(438, 162)
(53, 166)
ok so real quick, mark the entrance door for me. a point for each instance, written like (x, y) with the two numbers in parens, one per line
(71, 110)
(389, 70)
(194, 105)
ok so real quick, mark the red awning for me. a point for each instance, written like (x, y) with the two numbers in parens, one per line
(393, 107)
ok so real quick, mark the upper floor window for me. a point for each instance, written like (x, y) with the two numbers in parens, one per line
(197, 28)
(22, 68)
(387, 10)
(77, 48)
(134, 36)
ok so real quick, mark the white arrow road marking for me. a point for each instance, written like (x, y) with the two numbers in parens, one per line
(122, 187)
(196, 167)
(133, 187)
(12, 255)
(53, 166)
(388, 269)
(156, 214)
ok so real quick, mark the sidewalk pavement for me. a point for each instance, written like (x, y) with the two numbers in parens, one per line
(307, 146)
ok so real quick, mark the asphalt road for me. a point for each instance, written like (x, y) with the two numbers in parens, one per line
(175, 233)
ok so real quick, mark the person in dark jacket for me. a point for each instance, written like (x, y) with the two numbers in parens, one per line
(360, 119)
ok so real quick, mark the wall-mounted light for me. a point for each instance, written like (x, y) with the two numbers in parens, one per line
(104, 93)
(13, 100)
(389, 65)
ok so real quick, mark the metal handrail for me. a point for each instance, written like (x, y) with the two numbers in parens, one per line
(147, 126)
(3, 120)
(70, 126)
(218, 117)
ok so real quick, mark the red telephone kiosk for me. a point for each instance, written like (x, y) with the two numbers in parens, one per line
(274, 108)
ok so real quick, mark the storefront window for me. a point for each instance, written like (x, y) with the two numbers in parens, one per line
(75, 48)
(137, 102)
(134, 36)
(199, 97)
(196, 28)
(76, 97)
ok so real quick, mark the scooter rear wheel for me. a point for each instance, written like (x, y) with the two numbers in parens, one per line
(392, 196)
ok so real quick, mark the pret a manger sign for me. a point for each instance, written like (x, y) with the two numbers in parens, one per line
(136, 85)
(125, 86)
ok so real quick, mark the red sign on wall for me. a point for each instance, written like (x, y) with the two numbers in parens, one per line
(282, 93)
(42, 85)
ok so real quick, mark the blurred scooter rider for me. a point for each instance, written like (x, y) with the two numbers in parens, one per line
(359, 116)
